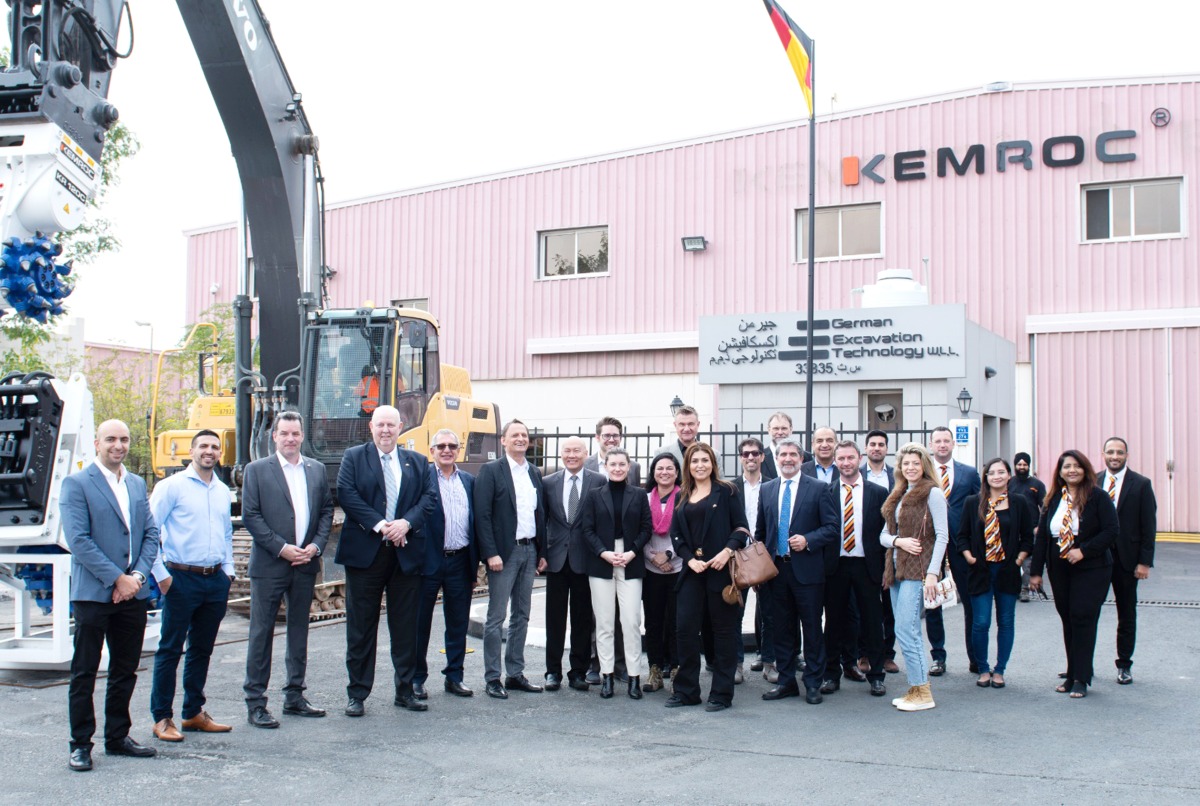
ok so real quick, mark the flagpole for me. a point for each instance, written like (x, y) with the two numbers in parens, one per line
(812, 228)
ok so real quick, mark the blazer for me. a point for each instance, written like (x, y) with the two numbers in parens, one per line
(269, 515)
(1022, 518)
(1097, 534)
(102, 547)
(722, 518)
(809, 469)
(363, 497)
(592, 463)
(871, 519)
(564, 541)
(966, 483)
(495, 501)
(599, 529)
(891, 475)
(768, 468)
(814, 515)
(1137, 518)
(435, 524)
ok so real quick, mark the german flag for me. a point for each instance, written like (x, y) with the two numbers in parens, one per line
(798, 46)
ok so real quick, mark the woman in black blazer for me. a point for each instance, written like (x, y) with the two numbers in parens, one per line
(709, 523)
(995, 536)
(1078, 526)
(616, 526)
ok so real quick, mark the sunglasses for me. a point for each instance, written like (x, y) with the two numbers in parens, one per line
(445, 446)
(751, 454)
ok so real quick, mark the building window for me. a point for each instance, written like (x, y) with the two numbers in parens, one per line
(1132, 210)
(853, 231)
(565, 253)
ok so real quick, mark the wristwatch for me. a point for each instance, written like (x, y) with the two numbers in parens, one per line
(141, 578)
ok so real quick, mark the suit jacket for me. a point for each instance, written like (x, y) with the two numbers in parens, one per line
(269, 515)
(769, 469)
(496, 510)
(723, 516)
(1019, 537)
(600, 532)
(1137, 515)
(564, 541)
(102, 547)
(435, 524)
(871, 519)
(592, 463)
(891, 475)
(966, 483)
(809, 469)
(1097, 533)
(363, 497)
(814, 515)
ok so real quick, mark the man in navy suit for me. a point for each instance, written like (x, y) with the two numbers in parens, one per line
(451, 559)
(957, 482)
(797, 541)
(1133, 553)
(113, 543)
(821, 466)
(387, 494)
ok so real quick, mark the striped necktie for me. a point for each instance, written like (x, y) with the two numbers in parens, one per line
(1065, 539)
(945, 481)
(848, 520)
(391, 490)
(1112, 487)
(991, 531)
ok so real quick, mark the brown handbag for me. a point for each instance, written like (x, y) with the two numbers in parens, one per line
(751, 565)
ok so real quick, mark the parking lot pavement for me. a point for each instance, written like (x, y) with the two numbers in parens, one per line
(1122, 744)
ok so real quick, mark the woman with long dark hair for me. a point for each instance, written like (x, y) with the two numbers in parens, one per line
(663, 567)
(1078, 527)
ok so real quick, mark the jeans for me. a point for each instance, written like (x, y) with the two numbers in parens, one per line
(512, 585)
(981, 623)
(908, 602)
(191, 613)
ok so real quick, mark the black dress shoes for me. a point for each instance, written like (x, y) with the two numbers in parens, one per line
(128, 747)
(354, 707)
(937, 668)
(635, 687)
(592, 678)
(408, 701)
(494, 689)
(712, 706)
(521, 683)
(419, 691)
(813, 696)
(457, 688)
(553, 681)
(852, 672)
(606, 686)
(260, 717)
(302, 707)
(1124, 678)
(781, 692)
(81, 760)
(878, 689)
(830, 686)
(578, 683)
(675, 701)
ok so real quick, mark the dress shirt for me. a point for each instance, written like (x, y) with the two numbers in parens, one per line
(1057, 519)
(949, 472)
(194, 522)
(1120, 477)
(879, 478)
(751, 501)
(940, 511)
(826, 474)
(394, 467)
(599, 469)
(795, 494)
(297, 482)
(121, 491)
(856, 500)
(455, 508)
(567, 476)
(526, 499)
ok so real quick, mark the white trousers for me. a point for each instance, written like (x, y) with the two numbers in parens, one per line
(606, 595)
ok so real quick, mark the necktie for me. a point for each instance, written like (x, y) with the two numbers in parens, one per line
(785, 519)
(945, 482)
(1065, 539)
(573, 499)
(848, 520)
(1112, 487)
(991, 531)
(391, 489)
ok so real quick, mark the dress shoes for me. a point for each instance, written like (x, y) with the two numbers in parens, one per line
(864, 665)
(937, 668)
(878, 689)
(302, 707)
(494, 689)
(419, 691)
(890, 666)
(781, 692)
(676, 701)
(165, 731)
(712, 706)
(635, 687)
(756, 665)
(81, 760)
(1124, 678)
(592, 678)
(204, 723)
(521, 683)
(739, 675)
(771, 673)
(852, 672)
(354, 707)
(553, 681)
(606, 686)
(260, 717)
(457, 688)
(128, 747)
(408, 701)
(578, 683)
(830, 686)
(813, 696)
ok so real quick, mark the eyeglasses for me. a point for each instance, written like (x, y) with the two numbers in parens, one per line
(751, 454)
(445, 446)
(610, 437)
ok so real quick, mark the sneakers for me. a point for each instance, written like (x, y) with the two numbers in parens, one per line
(770, 673)
(655, 681)
(918, 698)
(739, 675)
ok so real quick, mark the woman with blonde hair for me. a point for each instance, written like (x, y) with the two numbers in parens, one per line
(916, 532)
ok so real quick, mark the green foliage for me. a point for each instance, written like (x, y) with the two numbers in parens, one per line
(183, 364)
(27, 340)
(115, 398)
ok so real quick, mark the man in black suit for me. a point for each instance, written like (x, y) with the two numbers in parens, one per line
(957, 481)
(609, 434)
(451, 559)
(287, 508)
(1133, 553)
(510, 524)
(797, 518)
(567, 585)
(387, 495)
(821, 466)
(854, 566)
(1025, 484)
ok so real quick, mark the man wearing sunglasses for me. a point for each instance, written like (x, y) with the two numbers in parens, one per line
(609, 434)
(751, 453)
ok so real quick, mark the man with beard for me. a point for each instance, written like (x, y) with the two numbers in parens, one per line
(1023, 482)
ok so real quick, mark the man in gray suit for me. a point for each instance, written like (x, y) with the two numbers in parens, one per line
(287, 508)
(609, 433)
(113, 543)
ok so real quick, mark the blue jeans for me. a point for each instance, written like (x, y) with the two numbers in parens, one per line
(908, 602)
(192, 612)
(512, 585)
(981, 623)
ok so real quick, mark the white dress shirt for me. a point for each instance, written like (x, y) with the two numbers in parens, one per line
(949, 472)
(297, 482)
(526, 499)
(116, 483)
(567, 476)
(856, 501)
(879, 478)
(751, 502)
(1120, 477)
(1056, 520)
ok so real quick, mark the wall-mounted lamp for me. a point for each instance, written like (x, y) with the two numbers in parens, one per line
(676, 405)
(989, 373)
(694, 243)
(964, 402)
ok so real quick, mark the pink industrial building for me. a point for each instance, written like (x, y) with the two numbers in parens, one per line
(1058, 214)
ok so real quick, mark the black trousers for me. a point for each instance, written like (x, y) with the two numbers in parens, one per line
(266, 594)
(366, 589)
(568, 592)
(1078, 596)
(123, 626)
(851, 583)
(692, 601)
(658, 605)
(798, 609)
(1124, 588)
(934, 625)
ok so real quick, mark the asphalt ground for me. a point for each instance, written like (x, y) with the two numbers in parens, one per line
(1122, 744)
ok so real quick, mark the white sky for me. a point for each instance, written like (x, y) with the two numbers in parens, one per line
(404, 93)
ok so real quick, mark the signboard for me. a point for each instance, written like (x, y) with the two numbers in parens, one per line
(868, 344)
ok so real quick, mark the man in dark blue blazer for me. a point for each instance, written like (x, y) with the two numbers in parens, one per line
(451, 560)
(383, 551)
(113, 542)
(821, 467)
(958, 481)
(797, 543)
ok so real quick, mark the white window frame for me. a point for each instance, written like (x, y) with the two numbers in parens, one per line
(1132, 185)
(542, 255)
(800, 235)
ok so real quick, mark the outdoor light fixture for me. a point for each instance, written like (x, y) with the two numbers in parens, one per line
(676, 405)
(964, 402)
(989, 373)
(694, 243)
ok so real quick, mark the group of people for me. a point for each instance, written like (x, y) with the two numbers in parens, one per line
(859, 548)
